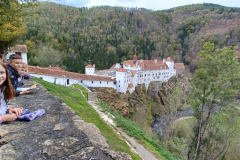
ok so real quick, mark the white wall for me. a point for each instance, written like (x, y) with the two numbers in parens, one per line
(63, 81)
(121, 82)
(89, 71)
(24, 57)
(9, 54)
(51, 79)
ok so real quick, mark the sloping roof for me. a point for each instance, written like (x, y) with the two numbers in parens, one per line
(148, 64)
(62, 73)
(179, 66)
(169, 59)
(121, 70)
(19, 48)
(130, 85)
(55, 68)
(113, 66)
(89, 66)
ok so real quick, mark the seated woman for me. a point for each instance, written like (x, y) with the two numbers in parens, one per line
(7, 92)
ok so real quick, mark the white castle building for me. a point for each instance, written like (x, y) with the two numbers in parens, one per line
(122, 77)
(131, 73)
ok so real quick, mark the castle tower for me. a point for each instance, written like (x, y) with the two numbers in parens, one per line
(170, 63)
(121, 74)
(89, 69)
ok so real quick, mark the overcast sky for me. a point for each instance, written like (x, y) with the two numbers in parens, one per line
(148, 4)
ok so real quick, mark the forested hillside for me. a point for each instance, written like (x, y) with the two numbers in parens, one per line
(68, 36)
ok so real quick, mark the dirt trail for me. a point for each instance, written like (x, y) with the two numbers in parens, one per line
(133, 144)
(183, 118)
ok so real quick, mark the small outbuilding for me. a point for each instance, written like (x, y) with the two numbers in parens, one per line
(20, 50)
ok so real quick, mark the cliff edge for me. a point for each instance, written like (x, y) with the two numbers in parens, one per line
(58, 134)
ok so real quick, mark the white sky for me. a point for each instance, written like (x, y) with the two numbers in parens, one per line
(148, 4)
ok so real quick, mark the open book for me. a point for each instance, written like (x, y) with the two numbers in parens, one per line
(28, 88)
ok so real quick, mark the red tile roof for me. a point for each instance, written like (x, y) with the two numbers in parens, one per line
(130, 85)
(169, 59)
(148, 64)
(19, 48)
(121, 70)
(135, 56)
(89, 66)
(113, 66)
(179, 66)
(55, 68)
(62, 73)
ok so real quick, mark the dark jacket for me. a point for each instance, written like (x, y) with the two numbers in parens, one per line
(20, 83)
(14, 78)
(26, 76)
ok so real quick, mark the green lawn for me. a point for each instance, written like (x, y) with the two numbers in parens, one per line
(84, 90)
(76, 101)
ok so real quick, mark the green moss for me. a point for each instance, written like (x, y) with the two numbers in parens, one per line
(77, 102)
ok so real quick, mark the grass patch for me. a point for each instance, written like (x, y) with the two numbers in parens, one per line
(83, 89)
(134, 131)
(76, 101)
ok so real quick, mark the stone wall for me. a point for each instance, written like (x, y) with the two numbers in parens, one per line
(58, 134)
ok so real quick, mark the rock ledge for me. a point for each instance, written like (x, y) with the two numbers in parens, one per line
(58, 134)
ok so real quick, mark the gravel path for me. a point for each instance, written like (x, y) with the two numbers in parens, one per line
(135, 146)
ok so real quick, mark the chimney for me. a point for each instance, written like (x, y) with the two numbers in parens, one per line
(93, 65)
(141, 60)
(164, 60)
(50, 66)
(155, 60)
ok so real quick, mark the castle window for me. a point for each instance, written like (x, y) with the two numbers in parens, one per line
(67, 81)
(114, 82)
(119, 85)
(81, 81)
(100, 82)
(107, 82)
(41, 77)
(92, 81)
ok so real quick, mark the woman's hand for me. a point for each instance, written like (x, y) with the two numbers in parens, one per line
(16, 111)
(9, 117)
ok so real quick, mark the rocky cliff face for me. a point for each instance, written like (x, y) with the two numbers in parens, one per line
(58, 134)
(143, 105)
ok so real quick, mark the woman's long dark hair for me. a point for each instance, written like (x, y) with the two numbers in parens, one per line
(9, 92)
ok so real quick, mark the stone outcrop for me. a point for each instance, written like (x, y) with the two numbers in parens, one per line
(58, 134)
(143, 105)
